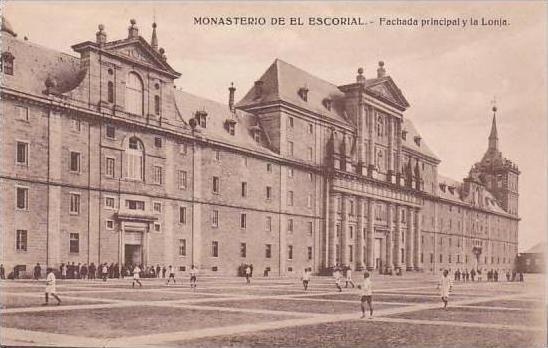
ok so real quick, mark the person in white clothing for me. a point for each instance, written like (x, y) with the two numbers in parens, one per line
(445, 286)
(349, 278)
(337, 276)
(248, 274)
(193, 274)
(50, 287)
(306, 278)
(171, 274)
(367, 294)
(136, 277)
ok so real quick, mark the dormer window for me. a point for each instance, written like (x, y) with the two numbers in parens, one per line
(451, 189)
(417, 140)
(258, 89)
(201, 118)
(257, 137)
(404, 134)
(442, 187)
(303, 93)
(256, 132)
(6, 63)
(327, 102)
(230, 126)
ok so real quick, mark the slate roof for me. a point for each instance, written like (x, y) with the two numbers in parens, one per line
(217, 114)
(33, 64)
(410, 143)
(454, 195)
(282, 81)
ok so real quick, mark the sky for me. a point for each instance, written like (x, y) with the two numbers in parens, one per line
(450, 75)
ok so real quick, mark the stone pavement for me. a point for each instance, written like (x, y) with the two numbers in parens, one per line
(113, 314)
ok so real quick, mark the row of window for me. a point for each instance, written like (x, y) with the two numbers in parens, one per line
(21, 241)
(243, 250)
(291, 125)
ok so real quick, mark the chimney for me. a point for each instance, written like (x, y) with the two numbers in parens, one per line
(231, 91)
(133, 31)
(360, 78)
(101, 36)
(380, 70)
(154, 39)
(258, 89)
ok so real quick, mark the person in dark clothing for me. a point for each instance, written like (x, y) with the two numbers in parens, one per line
(37, 271)
(513, 276)
(520, 276)
(473, 274)
(77, 271)
(164, 270)
(467, 275)
(507, 276)
(2, 272)
(92, 270)
(496, 276)
(158, 270)
(84, 271)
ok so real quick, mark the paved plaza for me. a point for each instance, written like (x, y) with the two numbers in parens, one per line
(273, 312)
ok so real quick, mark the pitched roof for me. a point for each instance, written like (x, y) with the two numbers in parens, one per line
(34, 64)
(409, 141)
(490, 202)
(282, 82)
(217, 114)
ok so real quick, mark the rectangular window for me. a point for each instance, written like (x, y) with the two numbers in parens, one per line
(135, 205)
(74, 243)
(182, 179)
(182, 215)
(441, 258)
(243, 220)
(110, 224)
(309, 201)
(215, 218)
(310, 128)
(157, 207)
(244, 189)
(21, 240)
(74, 161)
(351, 232)
(449, 260)
(310, 177)
(216, 184)
(268, 251)
(431, 258)
(109, 202)
(269, 167)
(422, 258)
(22, 113)
(290, 148)
(290, 122)
(22, 153)
(243, 250)
(310, 228)
(309, 252)
(76, 125)
(158, 175)
(157, 227)
(290, 252)
(217, 155)
(182, 148)
(290, 198)
(351, 253)
(182, 247)
(22, 198)
(110, 131)
(290, 172)
(268, 192)
(268, 224)
(110, 167)
(309, 153)
(215, 248)
(289, 225)
(74, 203)
(158, 142)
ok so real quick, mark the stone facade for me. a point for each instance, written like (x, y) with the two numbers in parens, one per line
(104, 160)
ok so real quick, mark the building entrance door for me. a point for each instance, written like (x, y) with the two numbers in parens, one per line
(133, 254)
(377, 253)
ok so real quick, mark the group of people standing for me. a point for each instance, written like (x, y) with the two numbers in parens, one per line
(492, 275)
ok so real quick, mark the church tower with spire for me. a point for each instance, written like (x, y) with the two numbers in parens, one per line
(498, 174)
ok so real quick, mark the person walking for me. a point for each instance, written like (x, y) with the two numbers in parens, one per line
(158, 270)
(136, 277)
(164, 271)
(337, 276)
(366, 288)
(37, 271)
(445, 287)
(306, 278)
(2, 272)
(349, 277)
(104, 272)
(50, 287)
(193, 275)
(171, 274)
(247, 274)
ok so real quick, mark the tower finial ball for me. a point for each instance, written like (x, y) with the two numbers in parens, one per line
(494, 108)
(154, 25)
(132, 21)
(381, 63)
(360, 71)
(101, 27)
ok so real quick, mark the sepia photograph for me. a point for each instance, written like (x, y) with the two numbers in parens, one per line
(258, 174)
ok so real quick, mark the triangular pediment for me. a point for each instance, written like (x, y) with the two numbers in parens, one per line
(386, 90)
(139, 51)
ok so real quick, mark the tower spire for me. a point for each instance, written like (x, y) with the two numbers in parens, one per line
(493, 136)
(154, 39)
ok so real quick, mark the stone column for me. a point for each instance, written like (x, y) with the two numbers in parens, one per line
(409, 241)
(359, 235)
(371, 117)
(343, 245)
(417, 251)
(370, 235)
(389, 238)
(397, 238)
(331, 233)
(391, 124)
